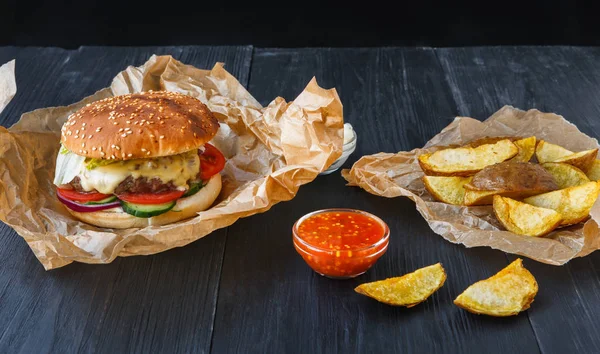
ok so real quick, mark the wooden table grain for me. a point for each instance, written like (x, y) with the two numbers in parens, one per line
(244, 289)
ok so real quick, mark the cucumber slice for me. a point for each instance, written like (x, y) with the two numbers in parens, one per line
(194, 188)
(110, 199)
(146, 210)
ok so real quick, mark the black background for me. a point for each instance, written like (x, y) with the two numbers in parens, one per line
(70, 24)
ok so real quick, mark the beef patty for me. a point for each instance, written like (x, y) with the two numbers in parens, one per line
(133, 185)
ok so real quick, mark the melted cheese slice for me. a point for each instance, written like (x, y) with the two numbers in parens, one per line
(177, 169)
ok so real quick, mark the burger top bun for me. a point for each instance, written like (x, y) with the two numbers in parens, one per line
(141, 125)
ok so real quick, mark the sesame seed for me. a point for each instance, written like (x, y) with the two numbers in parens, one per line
(144, 150)
(117, 147)
(80, 150)
(112, 146)
(98, 129)
(161, 137)
(129, 155)
(76, 136)
(82, 136)
(129, 132)
(85, 151)
(94, 148)
(127, 128)
(148, 153)
(123, 135)
(100, 148)
(115, 123)
(90, 136)
(77, 131)
(128, 122)
(152, 135)
(82, 145)
(120, 130)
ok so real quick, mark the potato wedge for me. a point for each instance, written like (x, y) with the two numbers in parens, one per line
(466, 161)
(565, 175)
(490, 140)
(546, 152)
(526, 149)
(446, 189)
(573, 203)
(594, 172)
(583, 160)
(408, 290)
(509, 179)
(507, 293)
(472, 197)
(525, 219)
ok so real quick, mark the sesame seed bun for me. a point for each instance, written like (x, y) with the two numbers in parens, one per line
(141, 125)
(184, 209)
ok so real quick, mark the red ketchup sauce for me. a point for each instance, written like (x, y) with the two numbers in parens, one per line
(340, 243)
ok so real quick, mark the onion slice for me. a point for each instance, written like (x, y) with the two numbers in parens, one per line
(87, 208)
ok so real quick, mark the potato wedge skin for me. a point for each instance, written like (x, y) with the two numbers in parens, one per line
(573, 203)
(513, 176)
(594, 172)
(408, 290)
(565, 175)
(513, 285)
(583, 160)
(511, 179)
(525, 219)
(466, 161)
(446, 189)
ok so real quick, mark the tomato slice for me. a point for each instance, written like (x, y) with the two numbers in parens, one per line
(151, 198)
(212, 162)
(76, 196)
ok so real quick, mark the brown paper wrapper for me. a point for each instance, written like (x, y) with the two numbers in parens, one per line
(271, 151)
(393, 175)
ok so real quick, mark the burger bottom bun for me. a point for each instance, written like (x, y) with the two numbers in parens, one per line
(184, 209)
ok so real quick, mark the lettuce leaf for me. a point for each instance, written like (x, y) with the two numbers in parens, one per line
(91, 163)
(68, 166)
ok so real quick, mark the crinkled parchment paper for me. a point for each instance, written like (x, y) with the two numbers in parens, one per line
(271, 151)
(392, 175)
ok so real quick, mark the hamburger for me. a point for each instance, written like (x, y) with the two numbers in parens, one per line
(138, 160)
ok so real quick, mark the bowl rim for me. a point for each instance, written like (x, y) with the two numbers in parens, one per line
(383, 240)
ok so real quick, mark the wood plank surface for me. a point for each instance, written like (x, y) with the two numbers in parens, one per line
(162, 303)
(244, 288)
(566, 81)
(270, 301)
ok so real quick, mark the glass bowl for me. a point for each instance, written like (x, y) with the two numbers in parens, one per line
(342, 262)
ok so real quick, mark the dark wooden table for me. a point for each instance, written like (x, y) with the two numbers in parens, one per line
(244, 288)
